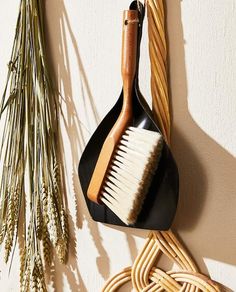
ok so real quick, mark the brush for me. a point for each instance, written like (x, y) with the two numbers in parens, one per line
(129, 156)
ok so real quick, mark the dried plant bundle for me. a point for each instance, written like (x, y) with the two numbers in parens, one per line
(31, 197)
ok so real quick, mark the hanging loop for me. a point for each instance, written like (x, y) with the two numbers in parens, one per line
(138, 5)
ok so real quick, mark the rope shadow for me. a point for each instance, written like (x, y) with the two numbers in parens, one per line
(207, 170)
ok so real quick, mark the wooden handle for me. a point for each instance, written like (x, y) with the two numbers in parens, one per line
(128, 68)
(129, 52)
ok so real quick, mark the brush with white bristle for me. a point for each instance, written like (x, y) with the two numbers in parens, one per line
(129, 156)
(131, 172)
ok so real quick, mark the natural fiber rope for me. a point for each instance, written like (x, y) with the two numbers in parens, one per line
(144, 274)
(146, 277)
(158, 61)
(118, 280)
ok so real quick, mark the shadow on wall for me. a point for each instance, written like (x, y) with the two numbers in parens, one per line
(58, 26)
(58, 30)
(206, 216)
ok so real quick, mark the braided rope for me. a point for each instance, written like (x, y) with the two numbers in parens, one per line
(158, 61)
(147, 277)
(116, 282)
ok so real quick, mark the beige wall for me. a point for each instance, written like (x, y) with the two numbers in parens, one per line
(85, 39)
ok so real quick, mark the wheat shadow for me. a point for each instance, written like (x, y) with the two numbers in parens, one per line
(70, 270)
(60, 25)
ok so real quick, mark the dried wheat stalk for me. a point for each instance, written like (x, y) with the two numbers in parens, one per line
(30, 179)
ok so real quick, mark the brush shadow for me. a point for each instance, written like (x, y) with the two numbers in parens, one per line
(207, 171)
(59, 29)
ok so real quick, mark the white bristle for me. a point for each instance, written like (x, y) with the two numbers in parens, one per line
(131, 171)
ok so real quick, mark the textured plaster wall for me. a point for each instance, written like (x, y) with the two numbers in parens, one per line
(84, 40)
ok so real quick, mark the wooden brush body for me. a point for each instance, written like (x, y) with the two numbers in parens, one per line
(128, 68)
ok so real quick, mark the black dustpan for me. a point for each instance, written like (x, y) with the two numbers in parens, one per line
(161, 201)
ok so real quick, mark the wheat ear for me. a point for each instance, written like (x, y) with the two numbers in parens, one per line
(46, 246)
(10, 227)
